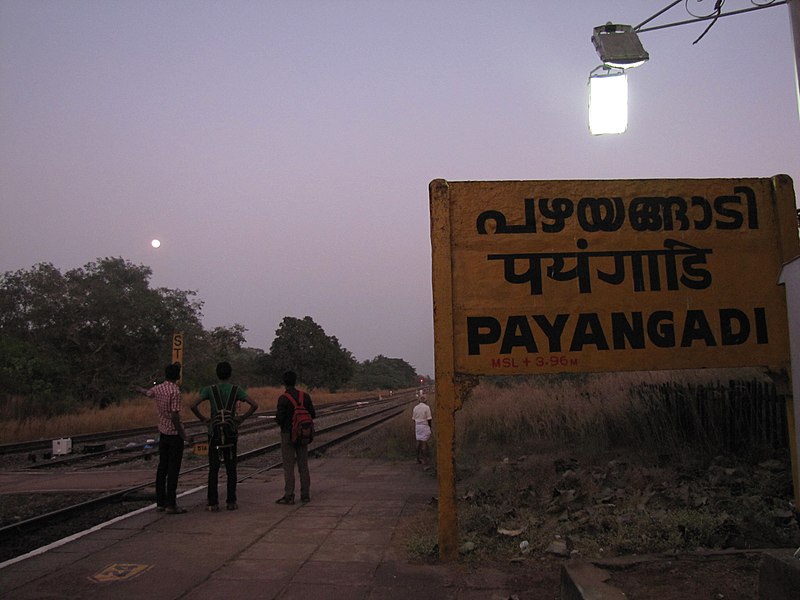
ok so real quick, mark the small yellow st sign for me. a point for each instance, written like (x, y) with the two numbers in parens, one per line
(177, 347)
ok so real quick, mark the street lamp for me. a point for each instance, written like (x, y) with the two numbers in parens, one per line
(619, 48)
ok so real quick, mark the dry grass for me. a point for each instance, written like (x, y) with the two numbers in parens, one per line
(134, 412)
(600, 410)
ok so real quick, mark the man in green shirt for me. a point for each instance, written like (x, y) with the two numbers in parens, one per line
(222, 432)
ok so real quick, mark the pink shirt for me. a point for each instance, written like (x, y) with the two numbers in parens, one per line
(168, 401)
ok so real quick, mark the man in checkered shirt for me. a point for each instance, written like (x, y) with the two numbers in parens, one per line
(171, 438)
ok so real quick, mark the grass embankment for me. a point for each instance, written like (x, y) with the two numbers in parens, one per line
(16, 426)
(600, 466)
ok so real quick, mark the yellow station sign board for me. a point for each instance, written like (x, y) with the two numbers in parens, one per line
(611, 275)
(614, 275)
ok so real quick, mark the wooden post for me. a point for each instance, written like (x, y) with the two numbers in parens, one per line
(446, 401)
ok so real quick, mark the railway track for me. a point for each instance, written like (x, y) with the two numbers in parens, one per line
(130, 445)
(337, 426)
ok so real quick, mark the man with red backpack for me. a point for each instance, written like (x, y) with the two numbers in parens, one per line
(295, 414)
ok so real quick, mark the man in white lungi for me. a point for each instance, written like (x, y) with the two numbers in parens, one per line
(423, 421)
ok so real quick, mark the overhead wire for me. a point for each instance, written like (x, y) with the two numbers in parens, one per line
(715, 14)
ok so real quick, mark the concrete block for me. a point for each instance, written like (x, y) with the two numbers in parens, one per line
(584, 581)
(62, 446)
(779, 575)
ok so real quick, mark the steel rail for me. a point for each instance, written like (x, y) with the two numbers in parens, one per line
(83, 438)
(255, 428)
(256, 423)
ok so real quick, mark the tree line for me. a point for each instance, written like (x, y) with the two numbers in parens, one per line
(83, 336)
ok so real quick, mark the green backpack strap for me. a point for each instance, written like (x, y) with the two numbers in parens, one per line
(230, 404)
(223, 414)
(216, 398)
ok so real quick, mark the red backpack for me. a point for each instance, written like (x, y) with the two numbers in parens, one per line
(302, 423)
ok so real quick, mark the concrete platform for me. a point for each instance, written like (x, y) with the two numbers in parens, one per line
(343, 544)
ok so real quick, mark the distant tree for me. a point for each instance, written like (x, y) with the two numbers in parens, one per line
(33, 309)
(25, 368)
(302, 346)
(223, 343)
(97, 327)
(32, 303)
(384, 373)
(226, 342)
(247, 367)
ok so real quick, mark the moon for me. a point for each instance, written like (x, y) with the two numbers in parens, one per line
(155, 243)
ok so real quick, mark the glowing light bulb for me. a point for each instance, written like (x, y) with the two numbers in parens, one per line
(608, 102)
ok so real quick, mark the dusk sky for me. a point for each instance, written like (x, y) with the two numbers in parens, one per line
(282, 150)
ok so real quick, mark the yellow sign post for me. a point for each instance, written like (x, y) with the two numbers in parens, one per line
(177, 351)
(611, 275)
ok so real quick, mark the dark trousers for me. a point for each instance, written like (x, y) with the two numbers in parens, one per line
(170, 455)
(291, 454)
(229, 456)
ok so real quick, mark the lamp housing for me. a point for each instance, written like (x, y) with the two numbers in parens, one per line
(619, 46)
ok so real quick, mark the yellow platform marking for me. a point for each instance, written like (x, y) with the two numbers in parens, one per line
(119, 572)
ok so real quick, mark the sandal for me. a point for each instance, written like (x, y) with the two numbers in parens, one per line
(212, 508)
(284, 500)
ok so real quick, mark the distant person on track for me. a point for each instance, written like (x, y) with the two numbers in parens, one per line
(223, 430)
(423, 428)
(171, 438)
(291, 452)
